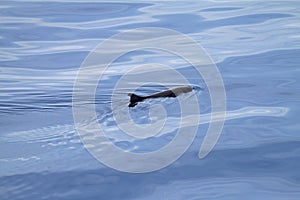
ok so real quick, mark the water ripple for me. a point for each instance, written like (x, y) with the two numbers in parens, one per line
(49, 134)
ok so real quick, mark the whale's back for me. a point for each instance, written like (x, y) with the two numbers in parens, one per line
(179, 90)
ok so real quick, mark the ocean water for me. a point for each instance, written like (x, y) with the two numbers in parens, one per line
(255, 46)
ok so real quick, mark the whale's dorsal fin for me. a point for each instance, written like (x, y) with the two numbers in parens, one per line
(134, 99)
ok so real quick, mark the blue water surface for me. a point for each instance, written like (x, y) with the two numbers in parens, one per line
(256, 47)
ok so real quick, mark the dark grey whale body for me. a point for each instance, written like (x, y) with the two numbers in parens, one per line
(134, 99)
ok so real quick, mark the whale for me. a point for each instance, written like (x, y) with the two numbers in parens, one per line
(173, 93)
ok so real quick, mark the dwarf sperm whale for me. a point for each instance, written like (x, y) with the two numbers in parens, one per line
(134, 99)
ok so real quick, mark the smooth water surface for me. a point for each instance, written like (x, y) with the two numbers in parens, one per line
(256, 47)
